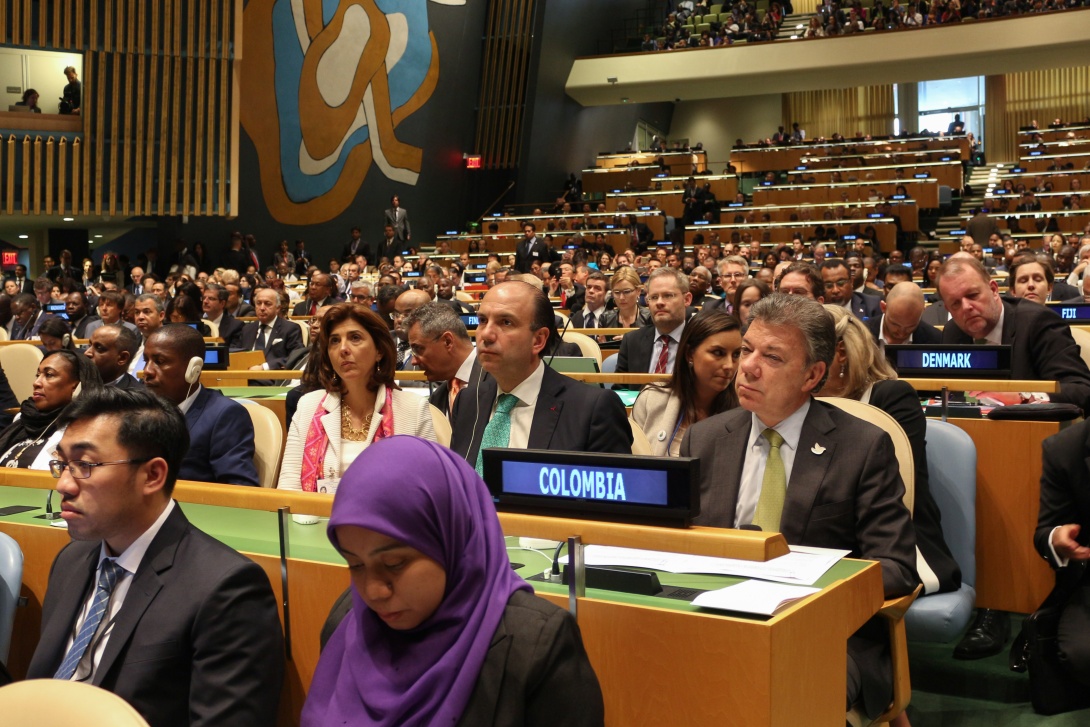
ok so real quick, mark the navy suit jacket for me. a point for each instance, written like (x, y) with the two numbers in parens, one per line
(284, 338)
(196, 642)
(569, 416)
(221, 441)
(231, 330)
(865, 307)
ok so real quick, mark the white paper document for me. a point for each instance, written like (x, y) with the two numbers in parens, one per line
(803, 566)
(753, 597)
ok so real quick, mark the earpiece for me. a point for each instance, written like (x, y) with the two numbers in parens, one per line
(193, 370)
(66, 341)
(77, 391)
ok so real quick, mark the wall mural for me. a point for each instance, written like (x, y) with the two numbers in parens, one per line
(325, 84)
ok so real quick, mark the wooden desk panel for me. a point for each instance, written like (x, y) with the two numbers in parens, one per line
(1011, 576)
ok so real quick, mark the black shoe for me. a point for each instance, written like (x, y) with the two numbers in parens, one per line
(986, 637)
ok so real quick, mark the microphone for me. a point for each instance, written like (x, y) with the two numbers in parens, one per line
(750, 526)
(49, 514)
(559, 340)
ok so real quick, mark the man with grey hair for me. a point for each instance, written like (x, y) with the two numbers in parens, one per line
(788, 463)
(360, 292)
(1083, 264)
(732, 270)
(148, 316)
(442, 349)
(652, 349)
(900, 319)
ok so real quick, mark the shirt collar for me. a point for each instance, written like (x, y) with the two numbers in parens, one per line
(466, 369)
(995, 336)
(184, 406)
(130, 558)
(526, 391)
(674, 334)
(790, 428)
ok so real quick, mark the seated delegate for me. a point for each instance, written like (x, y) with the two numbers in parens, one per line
(702, 386)
(29, 441)
(441, 630)
(358, 404)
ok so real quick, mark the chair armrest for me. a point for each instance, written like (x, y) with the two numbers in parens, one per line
(896, 608)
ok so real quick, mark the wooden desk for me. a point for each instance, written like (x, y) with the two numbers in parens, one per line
(652, 656)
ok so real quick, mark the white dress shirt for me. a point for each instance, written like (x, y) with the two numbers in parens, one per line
(129, 561)
(656, 350)
(753, 470)
(522, 416)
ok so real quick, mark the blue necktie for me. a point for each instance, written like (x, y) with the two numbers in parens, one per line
(107, 579)
(498, 431)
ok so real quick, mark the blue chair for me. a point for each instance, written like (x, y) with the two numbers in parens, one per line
(11, 581)
(609, 366)
(951, 466)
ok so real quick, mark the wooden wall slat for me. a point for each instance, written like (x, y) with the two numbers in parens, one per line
(213, 94)
(50, 175)
(62, 177)
(10, 199)
(155, 71)
(26, 175)
(28, 22)
(115, 126)
(175, 121)
(36, 175)
(200, 148)
(141, 170)
(99, 117)
(77, 154)
(164, 128)
(128, 138)
(222, 140)
(79, 25)
(236, 115)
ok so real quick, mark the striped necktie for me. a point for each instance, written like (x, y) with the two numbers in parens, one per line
(111, 573)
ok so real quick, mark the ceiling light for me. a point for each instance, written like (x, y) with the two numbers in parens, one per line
(98, 236)
(23, 237)
(69, 219)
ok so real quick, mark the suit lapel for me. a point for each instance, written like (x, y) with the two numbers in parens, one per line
(145, 586)
(72, 593)
(719, 495)
(808, 471)
(1008, 323)
(547, 411)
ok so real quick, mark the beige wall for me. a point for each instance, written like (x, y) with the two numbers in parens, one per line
(718, 122)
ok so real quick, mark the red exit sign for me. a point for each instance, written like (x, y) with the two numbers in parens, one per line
(473, 161)
(9, 258)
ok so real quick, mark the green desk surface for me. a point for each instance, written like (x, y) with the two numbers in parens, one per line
(253, 531)
(255, 392)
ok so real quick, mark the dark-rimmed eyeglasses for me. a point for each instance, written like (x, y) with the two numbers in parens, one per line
(81, 470)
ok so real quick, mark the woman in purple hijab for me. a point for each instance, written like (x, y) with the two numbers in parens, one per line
(441, 631)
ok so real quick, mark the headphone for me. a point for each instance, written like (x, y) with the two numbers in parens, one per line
(66, 341)
(193, 370)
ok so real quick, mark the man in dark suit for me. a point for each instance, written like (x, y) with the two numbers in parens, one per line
(319, 293)
(355, 246)
(277, 337)
(398, 218)
(25, 284)
(236, 258)
(64, 268)
(537, 407)
(593, 314)
(529, 249)
(652, 349)
(180, 626)
(221, 433)
(639, 234)
(214, 302)
(442, 349)
(136, 275)
(840, 290)
(78, 319)
(236, 306)
(1041, 348)
(570, 284)
(1063, 525)
(700, 283)
(900, 321)
(788, 463)
(27, 317)
(112, 348)
(445, 294)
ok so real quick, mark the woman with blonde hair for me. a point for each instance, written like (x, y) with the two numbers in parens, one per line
(859, 371)
(626, 287)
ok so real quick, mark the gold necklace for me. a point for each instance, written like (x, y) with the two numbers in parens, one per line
(349, 432)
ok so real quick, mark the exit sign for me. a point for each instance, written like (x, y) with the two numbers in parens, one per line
(473, 161)
(9, 258)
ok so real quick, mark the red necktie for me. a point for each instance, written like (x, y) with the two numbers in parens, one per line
(313, 308)
(664, 355)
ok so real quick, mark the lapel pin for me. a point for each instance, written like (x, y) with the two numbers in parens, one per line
(817, 449)
(662, 435)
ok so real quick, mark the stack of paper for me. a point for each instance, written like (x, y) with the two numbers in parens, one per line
(753, 597)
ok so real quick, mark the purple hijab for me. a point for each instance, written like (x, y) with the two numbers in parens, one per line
(427, 497)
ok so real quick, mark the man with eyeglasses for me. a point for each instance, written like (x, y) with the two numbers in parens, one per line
(214, 302)
(442, 349)
(732, 269)
(652, 349)
(360, 292)
(406, 303)
(319, 293)
(141, 603)
(840, 290)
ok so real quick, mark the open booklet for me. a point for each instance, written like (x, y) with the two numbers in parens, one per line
(803, 566)
(758, 597)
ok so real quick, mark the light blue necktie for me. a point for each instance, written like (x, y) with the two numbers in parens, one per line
(498, 431)
(107, 579)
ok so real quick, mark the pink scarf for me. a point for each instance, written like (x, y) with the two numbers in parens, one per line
(318, 441)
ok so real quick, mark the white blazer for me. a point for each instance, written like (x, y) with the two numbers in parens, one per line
(656, 410)
(412, 415)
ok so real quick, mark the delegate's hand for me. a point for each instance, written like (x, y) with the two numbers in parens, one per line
(1065, 544)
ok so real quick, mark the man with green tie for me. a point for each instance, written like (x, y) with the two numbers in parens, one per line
(785, 462)
(520, 401)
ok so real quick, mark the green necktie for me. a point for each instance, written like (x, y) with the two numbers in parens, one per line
(773, 486)
(498, 431)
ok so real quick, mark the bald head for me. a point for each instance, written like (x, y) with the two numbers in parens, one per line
(902, 310)
(409, 301)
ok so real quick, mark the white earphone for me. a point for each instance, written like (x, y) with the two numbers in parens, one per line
(193, 370)
(66, 340)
